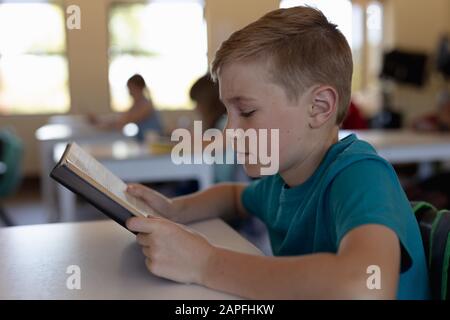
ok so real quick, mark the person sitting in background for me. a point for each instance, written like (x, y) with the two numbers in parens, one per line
(354, 119)
(142, 111)
(436, 188)
(436, 121)
(205, 93)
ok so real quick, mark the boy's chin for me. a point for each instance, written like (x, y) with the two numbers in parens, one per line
(252, 170)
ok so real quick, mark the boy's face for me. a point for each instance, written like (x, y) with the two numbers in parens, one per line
(253, 100)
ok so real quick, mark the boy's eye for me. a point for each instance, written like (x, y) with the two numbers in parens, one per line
(247, 114)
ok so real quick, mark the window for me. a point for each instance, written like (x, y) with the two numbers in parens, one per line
(361, 23)
(165, 42)
(33, 64)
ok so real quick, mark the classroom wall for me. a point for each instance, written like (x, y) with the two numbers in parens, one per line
(412, 24)
(87, 51)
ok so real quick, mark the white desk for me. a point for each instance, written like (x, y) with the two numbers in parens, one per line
(50, 135)
(34, 261)
(406, 146)
(132, 162)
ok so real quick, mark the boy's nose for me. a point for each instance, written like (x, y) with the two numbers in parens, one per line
(232, 124)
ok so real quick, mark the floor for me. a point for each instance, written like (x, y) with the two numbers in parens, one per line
(26, 208)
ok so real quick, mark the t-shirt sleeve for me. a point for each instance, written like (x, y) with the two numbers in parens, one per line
(368, 192)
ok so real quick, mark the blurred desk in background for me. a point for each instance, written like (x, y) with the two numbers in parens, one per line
(68, 128)
(132, 162)
(406, 146)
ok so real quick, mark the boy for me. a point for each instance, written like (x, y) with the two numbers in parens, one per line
(335, 211)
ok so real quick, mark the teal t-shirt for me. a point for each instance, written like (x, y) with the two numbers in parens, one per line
(351, 187)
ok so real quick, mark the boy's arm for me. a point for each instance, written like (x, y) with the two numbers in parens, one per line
(221, 200)
(135, 114)
(344, 275)
(178, 254)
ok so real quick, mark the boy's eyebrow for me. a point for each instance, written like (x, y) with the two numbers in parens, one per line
(237, 99)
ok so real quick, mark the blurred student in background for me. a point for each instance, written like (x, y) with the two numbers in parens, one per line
(354, 119)
(205, 93)
(438, 120)
(142, 111)
(435, 188)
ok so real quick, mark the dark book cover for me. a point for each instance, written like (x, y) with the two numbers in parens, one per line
(69, 179)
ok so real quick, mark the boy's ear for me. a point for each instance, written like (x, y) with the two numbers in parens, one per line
(323, 107)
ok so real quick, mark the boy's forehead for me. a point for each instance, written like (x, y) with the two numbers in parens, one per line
(240, 79)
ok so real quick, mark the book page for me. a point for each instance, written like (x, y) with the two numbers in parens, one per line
(104, 180)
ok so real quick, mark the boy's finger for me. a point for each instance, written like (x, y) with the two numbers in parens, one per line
(135, 191)
(134, 188)
(150, 196)
(141, 239)
(142, 194)
(141, 224)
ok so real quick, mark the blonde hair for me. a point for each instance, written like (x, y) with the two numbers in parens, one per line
(303, 49)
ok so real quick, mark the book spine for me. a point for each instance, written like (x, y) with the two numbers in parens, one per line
(95, 197)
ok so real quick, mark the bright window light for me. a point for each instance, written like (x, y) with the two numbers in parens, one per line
(354, 20)
(165, 42)
(33, 64)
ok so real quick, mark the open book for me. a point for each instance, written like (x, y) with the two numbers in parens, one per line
(82, 174)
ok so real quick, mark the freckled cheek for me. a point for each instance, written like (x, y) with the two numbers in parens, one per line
(289, 144)
(285, 137)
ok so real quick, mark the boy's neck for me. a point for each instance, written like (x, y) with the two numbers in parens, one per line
(299, 173)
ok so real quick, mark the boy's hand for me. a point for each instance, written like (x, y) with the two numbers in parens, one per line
(171, 251)
(155, 200)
